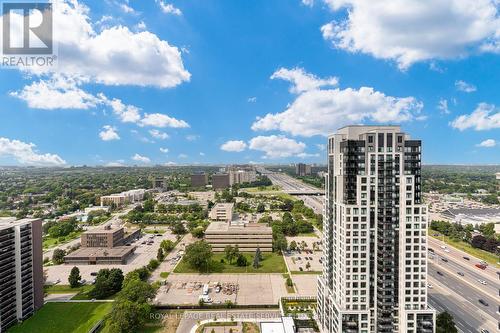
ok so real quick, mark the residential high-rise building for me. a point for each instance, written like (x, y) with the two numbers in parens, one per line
(302, 169)
(220, 181)
(374, 234)
(199, 179)
(21, 269)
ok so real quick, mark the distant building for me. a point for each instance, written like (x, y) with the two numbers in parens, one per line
(21, 270)
(220, 181)
(102, 237)
(203, 197)
(160, 183)
(123, 198)
(241, 175)
(498, 175)
(302, 169)
(199, 180)
(222, 212)
(248, 237)
(472, 215)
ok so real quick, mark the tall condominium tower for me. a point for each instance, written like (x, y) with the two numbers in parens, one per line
(374, 243)
(21, 270)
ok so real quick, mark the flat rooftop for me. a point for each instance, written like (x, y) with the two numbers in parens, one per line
(118, 251)
(103, 230)
(8, 222)
(223, 227)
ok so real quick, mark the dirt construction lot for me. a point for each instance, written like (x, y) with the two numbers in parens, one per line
(244, 289)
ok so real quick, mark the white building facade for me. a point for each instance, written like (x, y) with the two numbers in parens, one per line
(374, 235)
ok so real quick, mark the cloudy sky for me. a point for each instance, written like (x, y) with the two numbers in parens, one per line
(221, 81)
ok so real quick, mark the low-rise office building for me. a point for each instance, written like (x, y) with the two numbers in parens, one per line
(222, 212)
(21, 270)
(247, 237)
(123, 198)
(100, 256)
(103, 237)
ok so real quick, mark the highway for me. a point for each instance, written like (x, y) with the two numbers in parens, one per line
(457, 294)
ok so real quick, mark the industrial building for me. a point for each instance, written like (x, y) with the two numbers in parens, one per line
(123, 198)
(374, 235)
(474, 216)
(21, 270)
(247, 237)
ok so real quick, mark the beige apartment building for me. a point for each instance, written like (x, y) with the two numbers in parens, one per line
(123, 198)
(247, 237)
(222, 212)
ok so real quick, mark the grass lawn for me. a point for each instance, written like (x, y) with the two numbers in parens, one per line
(271, 263)
(66, 289)
(154, 231)
(164, 275)
(490, 258)
(49, 242)
(250, 328)
(64, 317)
(261, 188)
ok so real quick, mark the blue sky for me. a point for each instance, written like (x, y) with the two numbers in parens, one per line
(164, 82)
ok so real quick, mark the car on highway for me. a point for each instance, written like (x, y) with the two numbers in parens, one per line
(447, 250)
(481, 281)
(444, 259)
(439, 273)
(481, 266)
(466, 258)
(431, 249)
(484, 330)
(483, 302)
(429, 285)
(443, 247)
(460, 273)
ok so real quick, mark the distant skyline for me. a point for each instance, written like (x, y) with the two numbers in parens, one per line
(220, 82)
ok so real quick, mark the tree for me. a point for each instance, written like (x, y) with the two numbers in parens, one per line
(149, 206)
(160, 256)
(198, 232)
(153, 264)
(257, 258)
(293, 245)
(478, 241)
(167, 245)
(445, 323)
(74, 277)
(308, 265)
(241, 261)
(131, 309)
(115, 279)
(261, 208)
(229, 253)
(107, 282)
(58, 256)
(199, 255)
(178, 228)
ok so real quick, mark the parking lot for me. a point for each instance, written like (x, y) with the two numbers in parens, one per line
(143, 254)
(298, 260)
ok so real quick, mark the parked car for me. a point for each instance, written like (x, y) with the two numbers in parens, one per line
(439, 273)
(481, 281)
(460, 273)
(93, 273)
(483, 302)
(466, 258)
(444, 259)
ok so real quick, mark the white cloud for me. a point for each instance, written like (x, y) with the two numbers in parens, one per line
(308, 3)
(321, 146)
(234, 146)
(113, 56)
(142, 159)
(25, 153)
(410, 31)
(277, 146)
(126, 8)
(443, 106)
(489, 143)
(169, 8)
(484, 117)
(141, 26)
(56, 93)
(183, 156)
(164, 150)
(252, 99)
(303, 81)
(158, 134)
(126, 113)
(109, 133)
(464, 86)
(162, 120)
(170, 163)
(192, 137)
(321, 112)
(202, 154)
(114, 164)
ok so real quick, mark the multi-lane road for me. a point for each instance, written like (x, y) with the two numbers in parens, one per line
(459, 294)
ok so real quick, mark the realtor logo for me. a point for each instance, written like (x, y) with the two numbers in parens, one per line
(27, 28)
